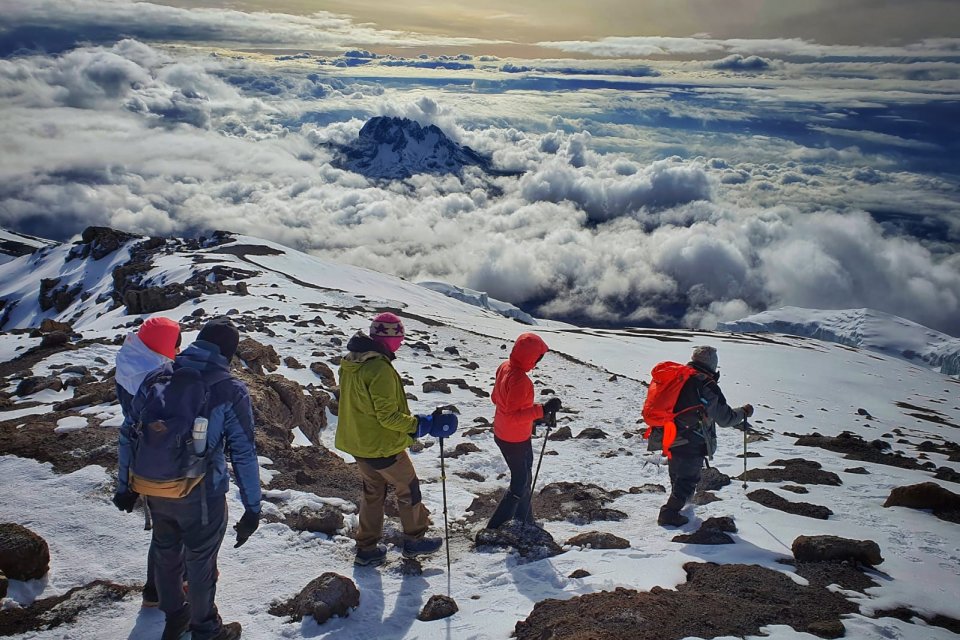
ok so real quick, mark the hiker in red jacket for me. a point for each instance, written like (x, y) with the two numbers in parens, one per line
(700, 407)
(513, 426)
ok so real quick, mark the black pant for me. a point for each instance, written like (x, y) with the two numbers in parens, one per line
(684, 478)
(515, 503)
(178, 532)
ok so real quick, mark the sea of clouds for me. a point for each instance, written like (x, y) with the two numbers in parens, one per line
(672, 193)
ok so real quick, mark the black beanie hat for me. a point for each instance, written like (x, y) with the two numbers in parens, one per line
(221, 332)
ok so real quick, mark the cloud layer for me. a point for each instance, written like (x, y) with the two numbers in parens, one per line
(645, 200)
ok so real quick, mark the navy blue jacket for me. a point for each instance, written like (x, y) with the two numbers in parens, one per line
(230, 425)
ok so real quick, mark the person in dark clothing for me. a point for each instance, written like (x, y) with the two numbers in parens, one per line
(696, 438)
(156, 341)
(194, 525)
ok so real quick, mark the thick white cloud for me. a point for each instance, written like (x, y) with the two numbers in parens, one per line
(680, 221)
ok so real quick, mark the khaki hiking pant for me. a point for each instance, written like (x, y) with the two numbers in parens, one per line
(377, 473)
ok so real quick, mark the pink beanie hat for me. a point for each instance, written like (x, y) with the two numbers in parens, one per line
(387, 329)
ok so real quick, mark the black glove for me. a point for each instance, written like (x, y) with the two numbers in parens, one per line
(124, 500)
(246, 526)
(551, 406)
(747, 410)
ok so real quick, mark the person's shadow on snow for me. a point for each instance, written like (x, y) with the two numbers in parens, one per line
(149, 624)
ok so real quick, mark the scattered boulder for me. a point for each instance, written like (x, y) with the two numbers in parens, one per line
(23, 554)
(325, 373)
(579, 573)
(948, 474)
(712, 480)
(327, 596)
(259, 357)
(769, 499)
(532, 543)
(836, 549)
(50, 613)
(794, 488)
(438, 606)
(598, 540)
(712, 531)
(55, 339)
(717, 600)
(857, 470)
(432, 386)
(856, 448)
(470, 475)
(326, 519)
(795, 470)
(648, 488)
(563, 433)
(722, 523)
(49, 325)
(463, 449)
(292, 362)
(452, 351)
(591, 433)
(944, 503)
(33, 384)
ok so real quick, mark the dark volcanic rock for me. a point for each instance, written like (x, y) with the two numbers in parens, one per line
(836, 549)
(948, 474)
(579, 573)
(327, 596)
(795, 470)
(717, 600)
(944, 503)
(592, 433)
(259, 357)
(563, 433)
(704, 536)
(437, 608)
(432, 386)
(856, 448)
(51, 613)
(712, 480)
(23, 554)
(573, 501)
(33, 384)
(769, 499)
(532, 543)
(463, 449)
(722, 523)
(325, 373)
(326, 520)
(598, 540)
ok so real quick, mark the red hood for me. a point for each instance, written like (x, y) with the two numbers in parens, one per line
(527, 350)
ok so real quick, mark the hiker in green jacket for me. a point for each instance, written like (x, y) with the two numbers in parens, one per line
(376, 427)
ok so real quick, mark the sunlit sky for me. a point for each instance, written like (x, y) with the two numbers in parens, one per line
(533, 21)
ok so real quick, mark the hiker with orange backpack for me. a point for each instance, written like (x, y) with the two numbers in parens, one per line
(684, 405)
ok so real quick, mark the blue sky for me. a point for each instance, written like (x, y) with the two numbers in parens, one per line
(677, 167)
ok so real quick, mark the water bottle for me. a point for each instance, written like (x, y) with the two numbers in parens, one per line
(199, 435)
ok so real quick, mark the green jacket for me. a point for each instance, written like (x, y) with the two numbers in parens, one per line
(374, 419)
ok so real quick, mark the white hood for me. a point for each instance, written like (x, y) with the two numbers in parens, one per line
(134, 361)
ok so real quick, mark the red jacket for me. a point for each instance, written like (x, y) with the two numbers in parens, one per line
(513, 391)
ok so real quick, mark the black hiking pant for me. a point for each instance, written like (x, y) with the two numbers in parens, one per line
(515, 503)
(684, 477)
(180, 537)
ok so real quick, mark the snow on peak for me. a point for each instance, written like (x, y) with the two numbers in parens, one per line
(393, 148)
(480, 299)
(862, 328)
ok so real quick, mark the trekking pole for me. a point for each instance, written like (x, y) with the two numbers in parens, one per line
(446, 526)
(551, 423)
(746, 427)
(147, 517)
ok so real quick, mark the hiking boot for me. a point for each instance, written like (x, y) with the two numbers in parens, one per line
(151, 598)
(177, 624)
(422, 546)
(487, 536)
(230, 631)
(671, 518)
(371, 557)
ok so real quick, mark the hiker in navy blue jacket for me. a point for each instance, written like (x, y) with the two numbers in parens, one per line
(156, 342)
(198, 521)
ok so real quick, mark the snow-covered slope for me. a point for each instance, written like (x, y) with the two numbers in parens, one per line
(304, 308)
(14, 245)
(480, 299)
(866, 328)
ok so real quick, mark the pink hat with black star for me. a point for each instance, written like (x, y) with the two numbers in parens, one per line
(387, 329)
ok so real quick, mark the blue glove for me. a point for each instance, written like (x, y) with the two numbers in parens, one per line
(444, 425)
(424, 426)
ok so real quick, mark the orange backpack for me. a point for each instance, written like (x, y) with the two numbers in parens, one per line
(668, 379)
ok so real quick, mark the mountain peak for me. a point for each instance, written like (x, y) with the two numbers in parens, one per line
(391, 148)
